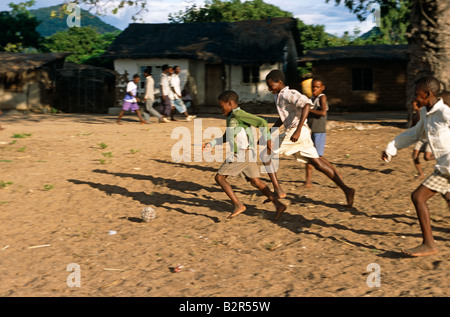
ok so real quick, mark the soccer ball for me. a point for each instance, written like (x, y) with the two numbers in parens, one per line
(148, 213)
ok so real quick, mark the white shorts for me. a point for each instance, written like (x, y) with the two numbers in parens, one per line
(302, 149)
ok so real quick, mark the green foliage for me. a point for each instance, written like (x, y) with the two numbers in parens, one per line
(19, 29)
(85, 43)
(394, 17)
(228, 11)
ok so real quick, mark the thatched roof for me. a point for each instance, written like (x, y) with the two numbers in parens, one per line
(387, 52)
(238, 43)
(14, 65)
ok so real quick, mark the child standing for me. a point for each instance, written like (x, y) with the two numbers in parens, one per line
(130, 102)
(293, 109)
(434, 125)
(239, 135)
(317, 121)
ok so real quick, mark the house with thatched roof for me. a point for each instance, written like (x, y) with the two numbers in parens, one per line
(362, 78)
(27, 81)
(213, 56)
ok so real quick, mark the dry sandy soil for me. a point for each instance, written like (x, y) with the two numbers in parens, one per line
(66, 199)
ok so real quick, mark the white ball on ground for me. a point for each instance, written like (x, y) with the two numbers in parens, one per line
(148, 213)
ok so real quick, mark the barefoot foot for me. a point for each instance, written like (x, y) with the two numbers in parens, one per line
(421, 250)
(350, 195)
(307, 185)
(280, 209)
(278, 195)
(237, 210)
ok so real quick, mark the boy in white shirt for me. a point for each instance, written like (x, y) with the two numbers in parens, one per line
(149, 97)
(434, 125)
(293, 108)
(176, 97)
(130, 101)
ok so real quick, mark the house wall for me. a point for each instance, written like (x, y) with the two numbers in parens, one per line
(250, 92)
(389, 85)
(27, 98)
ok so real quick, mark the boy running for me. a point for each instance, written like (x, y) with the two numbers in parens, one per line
(434, 125)
(239, 135)
(293, 109)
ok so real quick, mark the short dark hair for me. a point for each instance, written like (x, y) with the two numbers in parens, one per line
(136, 76)
(429, 84)
(275, 75)
(229, 95)
(164, 67)
(317, 79)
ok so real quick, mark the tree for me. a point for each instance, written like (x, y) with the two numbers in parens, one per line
(229, 11)
(19, 29)
(85, 44)
(392, 17)
(428, 38)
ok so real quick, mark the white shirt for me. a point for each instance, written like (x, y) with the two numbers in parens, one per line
(149, 88)
(165, 84)
(433, 125)
(175, 83)
(289, 104)
(131, 87)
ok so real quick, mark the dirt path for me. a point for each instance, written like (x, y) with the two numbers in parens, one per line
(73, 186)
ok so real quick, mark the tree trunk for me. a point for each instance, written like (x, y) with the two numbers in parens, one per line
(429, 45)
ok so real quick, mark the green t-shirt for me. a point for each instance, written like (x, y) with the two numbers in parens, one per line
(239, 130)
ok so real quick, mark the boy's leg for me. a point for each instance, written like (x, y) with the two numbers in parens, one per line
(280, 207)
(120, 116)
(139, 116)
(419, 198)
(322, 165)
(308, 175)
(415, 157)
(447, 198)
(280, 193)
(271, 171)
(238, 206)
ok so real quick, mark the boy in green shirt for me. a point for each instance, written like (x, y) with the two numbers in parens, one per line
(243, 161)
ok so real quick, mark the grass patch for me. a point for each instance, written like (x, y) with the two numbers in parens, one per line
(20, 135)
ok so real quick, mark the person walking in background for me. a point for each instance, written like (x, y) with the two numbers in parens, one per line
(130, 102)
(149, 97)
(166, 106)
(176, 97)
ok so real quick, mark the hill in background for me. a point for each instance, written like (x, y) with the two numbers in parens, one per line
(51, 25)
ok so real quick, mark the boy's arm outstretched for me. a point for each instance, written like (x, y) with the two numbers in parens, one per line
(403, 140)
(217, 141)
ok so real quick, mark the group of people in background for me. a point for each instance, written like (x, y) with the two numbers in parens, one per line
(173, 99)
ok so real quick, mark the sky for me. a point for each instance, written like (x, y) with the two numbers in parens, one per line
(337, 19)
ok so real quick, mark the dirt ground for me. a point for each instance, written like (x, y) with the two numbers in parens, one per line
(72, 188)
